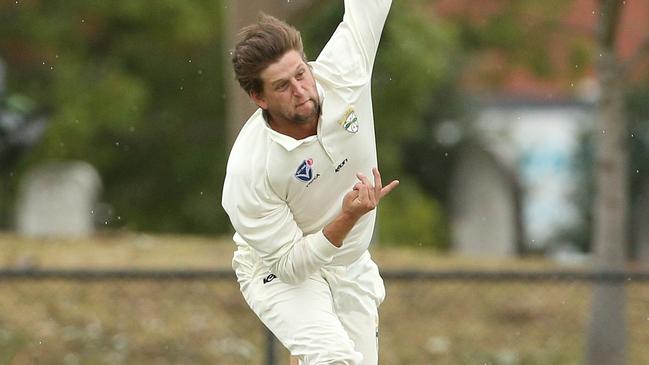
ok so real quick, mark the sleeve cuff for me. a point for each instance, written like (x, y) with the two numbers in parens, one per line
(322, 248)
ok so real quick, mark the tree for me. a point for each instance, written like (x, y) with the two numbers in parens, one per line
(607, 335)
(134, 88)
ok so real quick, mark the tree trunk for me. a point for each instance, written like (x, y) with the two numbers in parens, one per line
(607, 335)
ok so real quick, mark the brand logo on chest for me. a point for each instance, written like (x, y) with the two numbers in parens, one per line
(305, 171)
(341, 165)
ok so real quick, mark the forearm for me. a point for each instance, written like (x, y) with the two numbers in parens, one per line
(311, 252)
(339, 228)
(306, 256)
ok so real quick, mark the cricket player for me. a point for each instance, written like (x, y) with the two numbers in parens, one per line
(302, 186)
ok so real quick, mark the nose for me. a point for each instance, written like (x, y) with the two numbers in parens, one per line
(298, 88)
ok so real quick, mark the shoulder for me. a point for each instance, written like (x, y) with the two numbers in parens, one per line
(252, 136)
(248, 155)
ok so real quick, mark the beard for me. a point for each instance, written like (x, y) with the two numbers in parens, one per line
(298, 118)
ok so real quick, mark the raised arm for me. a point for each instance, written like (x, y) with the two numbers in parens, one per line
(353, 46)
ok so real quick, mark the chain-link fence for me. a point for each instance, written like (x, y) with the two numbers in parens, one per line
(454, 317)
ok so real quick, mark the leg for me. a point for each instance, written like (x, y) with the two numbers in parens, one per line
(357, 293)
(303, 319)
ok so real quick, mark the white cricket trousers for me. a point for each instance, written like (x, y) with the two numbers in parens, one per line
(330, 318)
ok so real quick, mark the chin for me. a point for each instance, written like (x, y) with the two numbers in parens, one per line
(303, 120)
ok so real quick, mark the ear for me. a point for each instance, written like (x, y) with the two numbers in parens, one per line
(259, 99)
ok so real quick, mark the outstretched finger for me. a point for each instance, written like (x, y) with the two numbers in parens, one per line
(388, 188)
(377, 182)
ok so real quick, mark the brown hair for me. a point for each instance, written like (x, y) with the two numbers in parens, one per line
(258, 46)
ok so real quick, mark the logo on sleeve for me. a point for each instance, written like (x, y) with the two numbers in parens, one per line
(349, 121)
(304, 171)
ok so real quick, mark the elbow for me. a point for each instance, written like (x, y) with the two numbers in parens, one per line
(289, 276)
(287, 273)
(290, 279)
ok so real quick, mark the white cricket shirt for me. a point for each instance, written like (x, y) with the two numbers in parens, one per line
(280, 192)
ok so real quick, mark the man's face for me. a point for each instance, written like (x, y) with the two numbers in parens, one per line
(289, 93)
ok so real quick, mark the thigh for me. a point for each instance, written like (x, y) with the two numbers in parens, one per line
(302, 317)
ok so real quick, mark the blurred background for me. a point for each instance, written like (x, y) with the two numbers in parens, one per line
(519, 130)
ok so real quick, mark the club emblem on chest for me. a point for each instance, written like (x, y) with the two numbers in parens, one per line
(304, 171)
(349, 121)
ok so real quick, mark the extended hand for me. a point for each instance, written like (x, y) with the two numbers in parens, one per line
(365, 196)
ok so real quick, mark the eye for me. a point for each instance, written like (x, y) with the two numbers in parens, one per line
(281, 86)
(300, 75)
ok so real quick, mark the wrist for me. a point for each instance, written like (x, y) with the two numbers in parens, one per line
(337, 230)
(350, 216)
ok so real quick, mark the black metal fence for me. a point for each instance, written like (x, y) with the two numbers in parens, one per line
(198, 317)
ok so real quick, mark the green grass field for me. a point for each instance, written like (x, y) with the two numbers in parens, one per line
(206, 321)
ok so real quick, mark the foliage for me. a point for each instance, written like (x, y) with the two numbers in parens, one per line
(412, 218)
(134, 88)
(137, 89)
